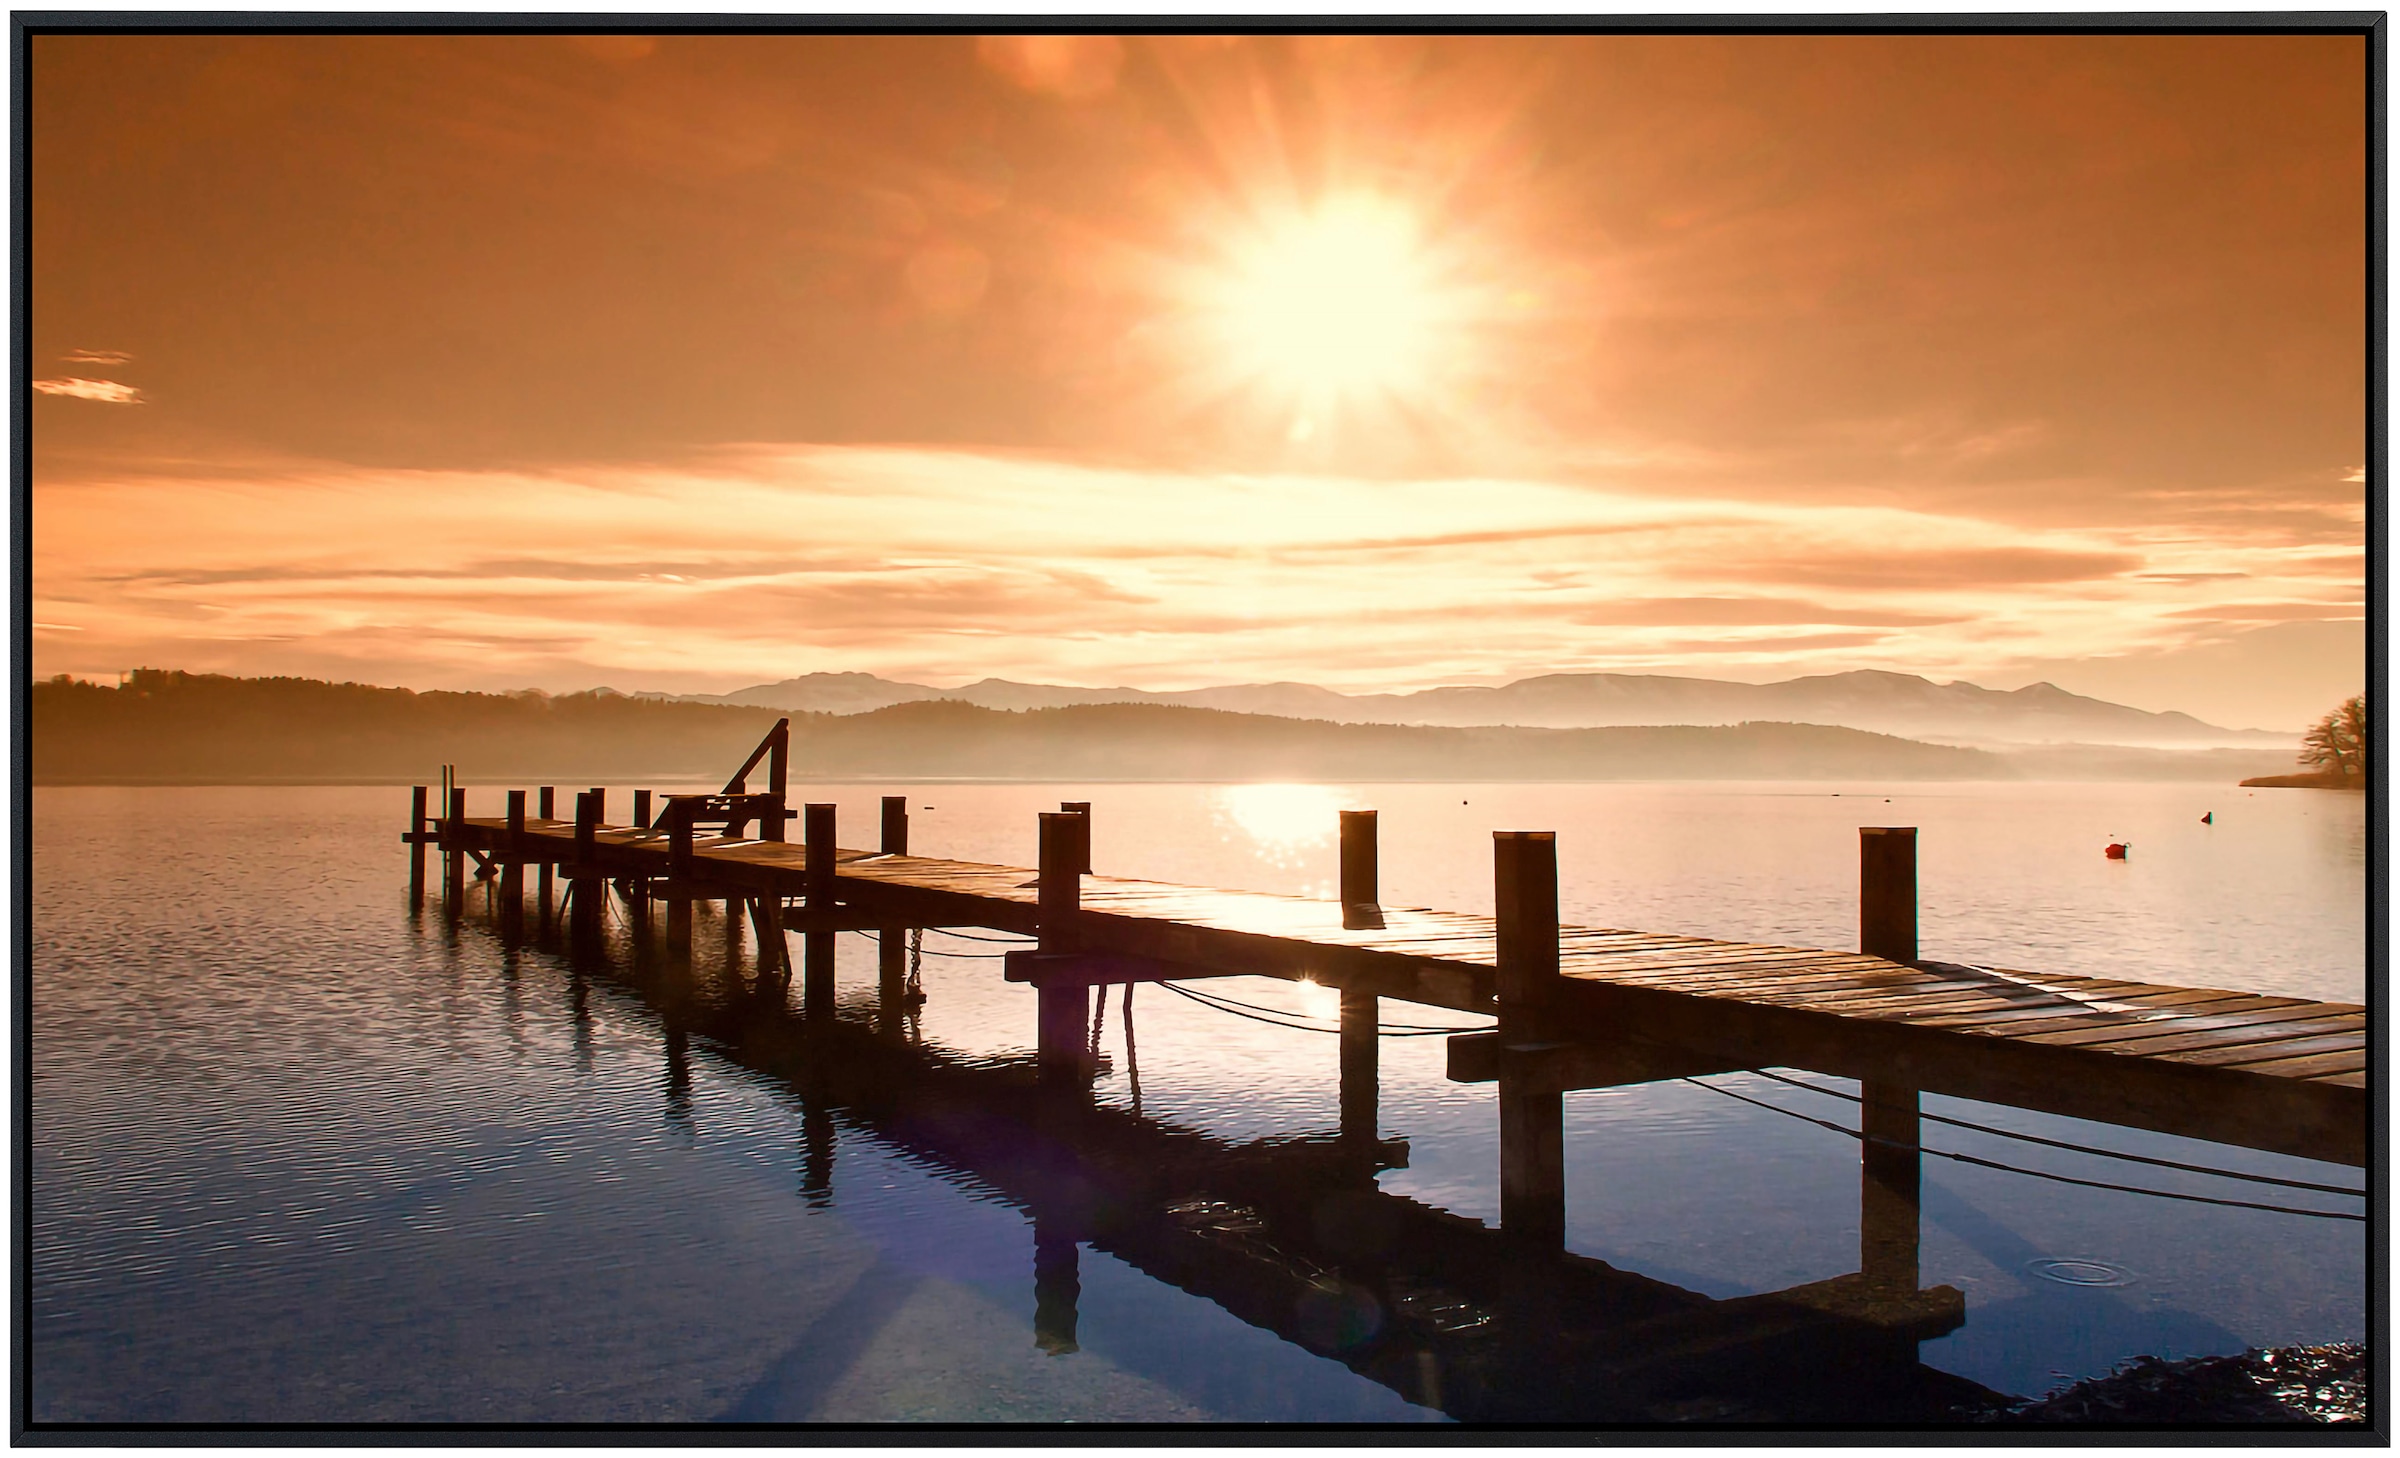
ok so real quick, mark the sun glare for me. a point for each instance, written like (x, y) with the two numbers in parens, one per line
(1283, 822)
(1337, 302)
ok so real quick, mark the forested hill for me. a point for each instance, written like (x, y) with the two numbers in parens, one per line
(176, 728)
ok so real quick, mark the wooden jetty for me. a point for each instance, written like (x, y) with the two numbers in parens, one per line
(1576, 1007)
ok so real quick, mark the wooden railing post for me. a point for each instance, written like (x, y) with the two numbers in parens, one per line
(1887, 891)
(416, 848)
(1361, 895)
(1063, 1007)
(1889, 1164)
(779, 748)
(641, 809)
(1533, 1198)
(1083, 832)
(818, 880)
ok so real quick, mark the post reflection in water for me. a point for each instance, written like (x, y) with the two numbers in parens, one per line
(1291, 1234)
(1056, 1265)
(816, 1160)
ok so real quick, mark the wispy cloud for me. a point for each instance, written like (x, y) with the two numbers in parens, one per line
(950, 565)
(96, 356)
(106, 392)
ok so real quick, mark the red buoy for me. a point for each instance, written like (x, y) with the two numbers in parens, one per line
(2116, 850)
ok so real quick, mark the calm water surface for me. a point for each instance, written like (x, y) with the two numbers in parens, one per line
(300, 1155)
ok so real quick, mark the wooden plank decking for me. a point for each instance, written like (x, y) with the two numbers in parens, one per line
(2274, 1073)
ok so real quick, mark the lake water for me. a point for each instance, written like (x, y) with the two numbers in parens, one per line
(300, 1155)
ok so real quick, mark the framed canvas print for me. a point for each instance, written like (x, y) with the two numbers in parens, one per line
(899, 731)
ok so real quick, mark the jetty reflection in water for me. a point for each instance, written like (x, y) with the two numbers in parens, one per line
(1290, 1233)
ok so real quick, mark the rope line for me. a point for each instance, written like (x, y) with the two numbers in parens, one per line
(917, 948)
(971, 937)
(2230, 1174)
(1275, 1017)
(2027, 1138)
(2019, 1169)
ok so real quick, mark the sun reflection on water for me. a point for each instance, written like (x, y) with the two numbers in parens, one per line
(1285, 823)
(1316, 999)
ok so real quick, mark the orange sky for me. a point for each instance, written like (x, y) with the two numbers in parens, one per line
(688, 362)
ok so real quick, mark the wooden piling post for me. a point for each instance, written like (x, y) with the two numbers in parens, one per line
(637, 888)
(679, 880)
(1360, 1013)
(1889, 1164)
(512, 870)
(817, 947)
(416, 848)
(1063, 1008)
(1533, 1194)
(454, 851)
(891, 956)
(1887, 891)
(546, 806)
(585, 885)
(1083, 863)
(1361, 897)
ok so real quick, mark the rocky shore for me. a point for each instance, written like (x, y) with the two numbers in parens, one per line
(2305, 1385)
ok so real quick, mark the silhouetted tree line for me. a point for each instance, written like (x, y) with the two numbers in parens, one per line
(171, 727)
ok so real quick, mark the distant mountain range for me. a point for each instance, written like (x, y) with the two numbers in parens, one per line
(1881, 703)
(164, 727)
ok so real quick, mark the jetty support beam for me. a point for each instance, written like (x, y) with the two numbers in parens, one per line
(891, 956)
(585, 885)
(416, 848)
(1361, 910)
(817, 947)
(545, 806)
(512, 870)
(454, 852)
(1063, 1004)
(1889, 1166)
(1533, 1189)
(1360, 1013)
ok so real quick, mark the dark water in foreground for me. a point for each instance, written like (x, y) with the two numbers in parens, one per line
(300, 1156)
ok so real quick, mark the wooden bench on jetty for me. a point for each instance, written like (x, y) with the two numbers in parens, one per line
(1576, 1007)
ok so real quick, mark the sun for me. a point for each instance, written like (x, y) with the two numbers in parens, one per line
(1336, 302)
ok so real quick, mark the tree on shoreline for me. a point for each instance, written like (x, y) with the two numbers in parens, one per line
(2337, 744)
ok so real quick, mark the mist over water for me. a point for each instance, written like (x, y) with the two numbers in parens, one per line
(298, 1155)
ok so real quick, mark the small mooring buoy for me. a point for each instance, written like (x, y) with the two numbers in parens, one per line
(2209, 819)
(2116, 850)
